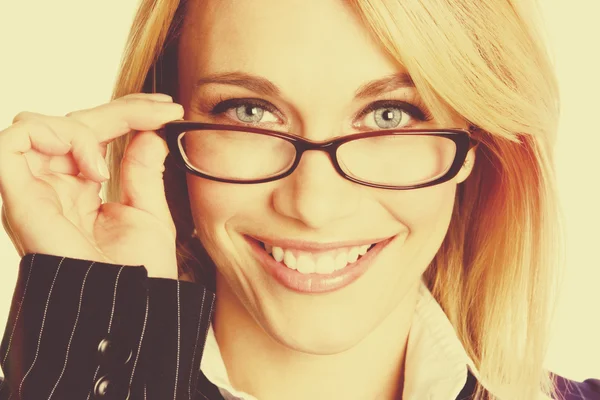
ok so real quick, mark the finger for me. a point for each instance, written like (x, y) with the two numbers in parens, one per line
(15, 141)
(159, 97)
(66, 165)
(79, 198)
(126, 114)
(52, 136)
(43, 165)
(150, 96)
(86, 152)
(142, 176)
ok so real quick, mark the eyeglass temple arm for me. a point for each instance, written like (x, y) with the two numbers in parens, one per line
(472, 129)
(153, 78)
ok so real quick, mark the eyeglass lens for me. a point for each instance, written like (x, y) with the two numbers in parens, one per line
(400, 160)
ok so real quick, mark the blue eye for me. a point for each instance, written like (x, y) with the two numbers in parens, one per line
(391, 114)
(249, 113)
(388, 117)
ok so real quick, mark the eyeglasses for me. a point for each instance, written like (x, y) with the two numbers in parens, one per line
(389, 159)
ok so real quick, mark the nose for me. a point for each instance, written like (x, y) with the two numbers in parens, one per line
(315, 194)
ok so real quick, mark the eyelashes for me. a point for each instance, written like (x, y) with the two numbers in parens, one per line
(222, 105)
(416, 109)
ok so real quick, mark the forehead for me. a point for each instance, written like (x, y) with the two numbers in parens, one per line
(320, 40)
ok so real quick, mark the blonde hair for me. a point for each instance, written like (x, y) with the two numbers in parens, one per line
(497, 271)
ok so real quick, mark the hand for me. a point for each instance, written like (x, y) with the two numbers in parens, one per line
(51, 169)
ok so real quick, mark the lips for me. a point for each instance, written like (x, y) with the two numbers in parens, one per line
(320, 262)
(315, 282)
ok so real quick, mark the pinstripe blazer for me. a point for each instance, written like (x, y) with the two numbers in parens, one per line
(84, 330)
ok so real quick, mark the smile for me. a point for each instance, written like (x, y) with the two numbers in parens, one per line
(324, 262)
(316, 268)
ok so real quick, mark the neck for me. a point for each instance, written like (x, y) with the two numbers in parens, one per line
(262, 367)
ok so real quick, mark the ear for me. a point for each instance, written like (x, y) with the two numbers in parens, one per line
(467, 167)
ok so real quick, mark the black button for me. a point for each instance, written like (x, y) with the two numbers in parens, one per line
(113, 353)
(108, 388)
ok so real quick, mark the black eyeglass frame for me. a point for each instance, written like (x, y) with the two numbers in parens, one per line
(461, 137)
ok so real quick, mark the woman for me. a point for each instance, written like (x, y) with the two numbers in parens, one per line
(415, 260)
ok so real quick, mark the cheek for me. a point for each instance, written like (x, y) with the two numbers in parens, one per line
(210, 202)
(422, 208)
(214, 204)
(217, 208)
(426, 213)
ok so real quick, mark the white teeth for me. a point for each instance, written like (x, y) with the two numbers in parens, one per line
(277, 253)
(289, 259)
(363, 249)
(325, 265)
(305, 264)
(341, 260)
(308, 263)
(353, 254)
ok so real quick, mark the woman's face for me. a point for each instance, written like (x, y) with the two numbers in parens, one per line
(303, 66)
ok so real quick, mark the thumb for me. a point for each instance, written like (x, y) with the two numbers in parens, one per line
(142, 168)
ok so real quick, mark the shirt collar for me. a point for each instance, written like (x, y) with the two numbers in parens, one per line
(436, 361)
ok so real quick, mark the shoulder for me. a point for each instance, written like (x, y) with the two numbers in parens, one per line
(569, 389)
(566, 389)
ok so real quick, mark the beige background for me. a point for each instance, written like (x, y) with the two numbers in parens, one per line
(62, 55)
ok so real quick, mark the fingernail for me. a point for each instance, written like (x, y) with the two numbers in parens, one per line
(172, 110)
(161, 97)
(102, 168)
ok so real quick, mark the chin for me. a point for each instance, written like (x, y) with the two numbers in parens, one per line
(324, 325)
(326, 340)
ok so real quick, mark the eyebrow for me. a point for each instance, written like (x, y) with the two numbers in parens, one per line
(251, 82)
(265, 87)
(384, 85)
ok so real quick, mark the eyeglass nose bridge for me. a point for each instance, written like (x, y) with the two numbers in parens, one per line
(329, 147)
